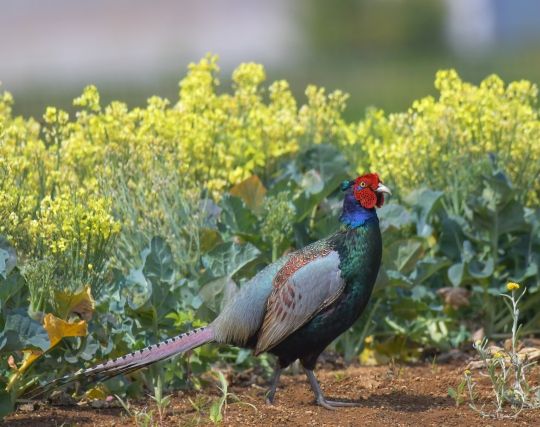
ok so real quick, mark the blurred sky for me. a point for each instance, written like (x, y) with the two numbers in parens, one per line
(383, 52)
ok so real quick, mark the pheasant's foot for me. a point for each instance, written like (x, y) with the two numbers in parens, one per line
(334, 404)
(321, 401)
(319, 396)
(271, 393)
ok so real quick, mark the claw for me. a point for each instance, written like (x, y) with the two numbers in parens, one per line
(321, 401)
(319, 396)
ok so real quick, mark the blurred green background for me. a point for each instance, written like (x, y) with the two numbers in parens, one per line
(383, 52)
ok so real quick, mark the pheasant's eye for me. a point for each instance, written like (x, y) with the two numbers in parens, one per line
(362, 184)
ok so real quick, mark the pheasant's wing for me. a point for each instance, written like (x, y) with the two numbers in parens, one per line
(308, 282)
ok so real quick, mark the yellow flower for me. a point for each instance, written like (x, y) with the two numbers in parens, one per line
(498, 355)
(512, 286)
(467, 372)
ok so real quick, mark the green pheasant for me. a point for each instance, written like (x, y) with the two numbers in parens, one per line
(294, 307)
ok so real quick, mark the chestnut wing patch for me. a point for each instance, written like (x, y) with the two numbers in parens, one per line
(308, 282)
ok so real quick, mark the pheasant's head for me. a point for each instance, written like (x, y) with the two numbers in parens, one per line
(363, 194)
(368, 190)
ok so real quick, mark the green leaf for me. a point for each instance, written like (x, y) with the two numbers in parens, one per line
(237, 218)
(402, 255)
(229, 258)
(326, 160)
(22, 332)
(481, 271)
(408, 308)
(427, 268)
(394, 216)
(8, 258)
(136, 289)
(452, 237)
(10, 287)
(159, 262)
(530, 271)
(455, 273)
(6, 403)
(424, 202)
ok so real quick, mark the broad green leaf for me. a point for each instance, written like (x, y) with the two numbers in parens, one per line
(237, 218)
(408, 308)
(10, 286)
(136, 289)
(424, 202)
(530, 271)
(395, 216)
(159, 262)
(251, 191)
(402, 255)
(512, 218)
(8, 258)
(326, 159)
(452, 237)
(455, 273)
(480, 270)
(6, 403)
(22, 332)
(427, 268)
(229, 258)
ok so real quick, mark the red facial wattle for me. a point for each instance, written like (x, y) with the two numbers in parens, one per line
(365, 191)
(366, 197)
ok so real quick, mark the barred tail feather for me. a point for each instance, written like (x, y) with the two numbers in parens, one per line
(136, 360)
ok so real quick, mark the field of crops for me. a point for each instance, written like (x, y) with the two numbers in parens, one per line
(121, 227)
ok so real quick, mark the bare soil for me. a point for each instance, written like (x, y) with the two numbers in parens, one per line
(387, 396)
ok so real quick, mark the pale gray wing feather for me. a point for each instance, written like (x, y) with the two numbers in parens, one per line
(242, 317)
(308, 290)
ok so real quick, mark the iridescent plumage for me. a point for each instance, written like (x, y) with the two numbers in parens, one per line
(297, 305)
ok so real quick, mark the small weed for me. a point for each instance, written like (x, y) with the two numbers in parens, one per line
(219, 406)
(434, 367)
(458, 393)
(141, 417)
(340, 376)
(394, 371)
(506, 370)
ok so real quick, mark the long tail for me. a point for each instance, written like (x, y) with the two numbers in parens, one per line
(136, 360)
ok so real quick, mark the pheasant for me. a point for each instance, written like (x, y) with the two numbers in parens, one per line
(295, 306)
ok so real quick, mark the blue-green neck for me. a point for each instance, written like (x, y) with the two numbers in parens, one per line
(354, 215)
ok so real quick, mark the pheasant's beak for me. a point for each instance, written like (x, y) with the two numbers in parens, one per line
(383, 189)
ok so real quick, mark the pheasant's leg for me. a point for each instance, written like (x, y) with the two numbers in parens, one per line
(273, 385)
(319, 396)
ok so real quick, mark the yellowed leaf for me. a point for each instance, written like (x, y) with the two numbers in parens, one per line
(80, 303)
(98, 392)
(251, 191)
(58, 328)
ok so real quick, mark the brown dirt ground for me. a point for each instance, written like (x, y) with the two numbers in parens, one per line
(387, 396)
